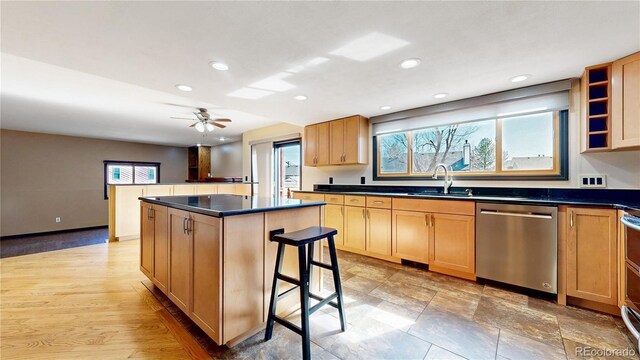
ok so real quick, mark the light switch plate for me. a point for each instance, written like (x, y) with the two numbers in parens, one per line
(593, 181)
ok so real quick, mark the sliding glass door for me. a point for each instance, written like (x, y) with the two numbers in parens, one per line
(287, 167)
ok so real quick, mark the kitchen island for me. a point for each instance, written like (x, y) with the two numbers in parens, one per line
(211, 255)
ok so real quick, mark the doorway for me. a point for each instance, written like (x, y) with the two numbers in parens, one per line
(287, 167)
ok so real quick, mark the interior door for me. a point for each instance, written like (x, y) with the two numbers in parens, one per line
(337, 142)
(379, 231)
(180, 250)
(354, 227)
(410, 236)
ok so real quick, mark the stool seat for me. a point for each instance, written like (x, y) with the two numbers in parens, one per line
(304, 240)
(305, 236)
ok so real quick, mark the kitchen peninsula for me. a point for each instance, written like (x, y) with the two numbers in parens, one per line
(211, 255)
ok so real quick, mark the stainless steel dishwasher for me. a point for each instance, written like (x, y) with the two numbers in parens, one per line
(518, 245)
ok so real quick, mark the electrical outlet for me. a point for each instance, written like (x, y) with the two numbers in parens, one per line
(58, 219)
(593, 181)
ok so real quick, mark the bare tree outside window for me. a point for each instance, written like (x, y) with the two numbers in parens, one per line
(394, 153)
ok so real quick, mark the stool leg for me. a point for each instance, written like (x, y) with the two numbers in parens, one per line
(304, 303)
(337, 283)
(274, 293)
(309, 266)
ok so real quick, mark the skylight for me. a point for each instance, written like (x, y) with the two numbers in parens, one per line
(369, 46)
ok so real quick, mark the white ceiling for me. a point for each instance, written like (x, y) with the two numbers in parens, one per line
(108, 69)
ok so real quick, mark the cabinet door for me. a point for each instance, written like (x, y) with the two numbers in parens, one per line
(354, 227)
(158, 190)
(379, 231)
(625, 105)
(351, 140)
(206, 189)
(410, 235)
(226, 188)
(146, 239)
(243, 189)
(127, 215)
(183, 189)
(336, 151)
(323, 144)
(160, 247)
(452, 245)
(334, 218)
(310, 145)
(207, 271)
(591, 254)
(180, 250)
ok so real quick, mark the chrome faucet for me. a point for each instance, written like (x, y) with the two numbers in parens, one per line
(448, 179)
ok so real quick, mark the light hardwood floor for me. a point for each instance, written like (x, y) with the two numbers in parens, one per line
(86, 302)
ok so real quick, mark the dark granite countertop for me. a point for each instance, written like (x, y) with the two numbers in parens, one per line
(621, 199)
(228, 205)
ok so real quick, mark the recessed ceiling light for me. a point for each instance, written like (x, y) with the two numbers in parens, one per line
(219, 66)
(385, 107)
(184, 87)
(520, 78)
(410, 63)
(198, 144)
(222, 139)
(300, 97)
(440, 95)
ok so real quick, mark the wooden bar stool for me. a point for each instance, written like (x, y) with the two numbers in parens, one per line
(304, 240)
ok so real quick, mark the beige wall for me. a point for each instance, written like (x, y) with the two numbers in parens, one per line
(278, 132)
(46, 176)
(226, 160)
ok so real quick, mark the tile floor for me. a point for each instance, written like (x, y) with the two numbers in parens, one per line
(401, 312)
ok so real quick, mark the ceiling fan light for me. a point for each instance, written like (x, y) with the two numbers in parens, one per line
(200, 127)
(209, 127)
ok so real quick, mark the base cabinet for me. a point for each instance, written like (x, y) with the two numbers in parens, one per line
(334, 218)
(180, 250)
(452, 245)
(410, 237)
(378, 231)
(154, 245)
(354, 228)
(591, 254)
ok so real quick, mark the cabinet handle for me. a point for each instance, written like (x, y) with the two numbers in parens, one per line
(368, 215)
(426, 220)
(433, 220)
(571, 218)
(184, 225)
(341, 211)
(354, 200)
(378, 202)
(363, 216)
(189, 226)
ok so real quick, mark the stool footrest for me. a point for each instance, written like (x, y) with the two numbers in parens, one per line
(288, 279)
(323, 302)
(287, 292)
(288, 324)
(322, 265)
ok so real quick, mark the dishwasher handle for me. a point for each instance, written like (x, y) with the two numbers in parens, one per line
(516, 214)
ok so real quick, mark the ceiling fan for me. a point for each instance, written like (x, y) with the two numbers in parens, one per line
(204, 121)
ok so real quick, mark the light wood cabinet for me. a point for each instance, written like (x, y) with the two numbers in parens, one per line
(338, 142)
(180, 250)
(316, 148)
(186, 189)
(334, 218)
(308, 196)
(199, 162)
(625, 102)
(378, 232)
(410, 235)
(206, 271)
(452, 245)
(203, 189)
(354, 228)
(154, 246)
(591, 254)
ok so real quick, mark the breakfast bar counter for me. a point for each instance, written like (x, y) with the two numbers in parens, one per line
(212, 256)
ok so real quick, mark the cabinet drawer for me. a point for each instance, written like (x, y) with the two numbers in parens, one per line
(352, 200)
(379, 202)
(466, 207)
(334, 199)
(309, 196)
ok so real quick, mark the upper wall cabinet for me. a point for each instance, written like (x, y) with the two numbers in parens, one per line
(611, 105)
(337, 142)
(625, 102)
(199, 162)
(316, 144)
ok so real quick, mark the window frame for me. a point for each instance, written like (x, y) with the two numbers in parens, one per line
(282, 144)
(106, 164)
(560, 169)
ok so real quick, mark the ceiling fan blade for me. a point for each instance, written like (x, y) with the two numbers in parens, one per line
(182, 118)
(222, 120)
(218, 125)
(194, 124)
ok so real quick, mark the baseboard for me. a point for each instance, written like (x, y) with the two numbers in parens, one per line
(44, 233)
